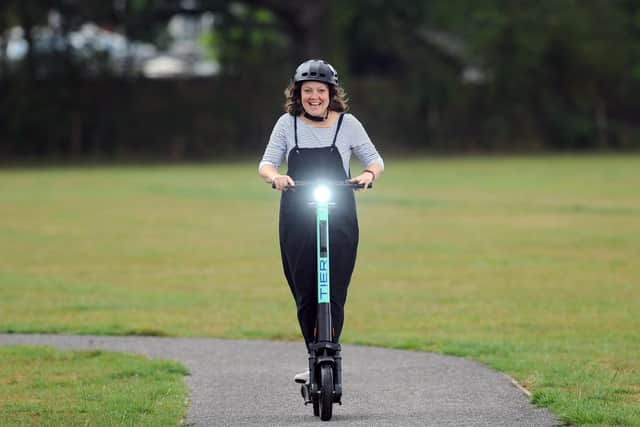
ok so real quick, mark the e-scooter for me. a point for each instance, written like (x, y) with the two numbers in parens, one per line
(325, 360)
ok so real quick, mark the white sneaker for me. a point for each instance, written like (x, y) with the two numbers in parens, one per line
(302, 378)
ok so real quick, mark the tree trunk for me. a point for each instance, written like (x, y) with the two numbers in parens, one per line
(309, 25)
(27, 22)
(602, 125)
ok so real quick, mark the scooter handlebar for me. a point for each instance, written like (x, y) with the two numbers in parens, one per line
(339, 184)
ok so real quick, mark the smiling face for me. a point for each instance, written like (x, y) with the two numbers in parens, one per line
(315, 98)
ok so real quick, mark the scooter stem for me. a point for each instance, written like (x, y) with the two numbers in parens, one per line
(324, 287)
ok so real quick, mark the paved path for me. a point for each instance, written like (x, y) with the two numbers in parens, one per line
(249, 383)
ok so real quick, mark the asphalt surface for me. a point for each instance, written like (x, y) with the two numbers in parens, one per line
(250, 383)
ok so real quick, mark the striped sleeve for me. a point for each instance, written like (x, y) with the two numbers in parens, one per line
(276, 149)
(362, 146)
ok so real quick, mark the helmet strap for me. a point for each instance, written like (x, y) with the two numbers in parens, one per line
(316, 118)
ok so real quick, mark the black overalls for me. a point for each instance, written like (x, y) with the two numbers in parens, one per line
(298, 234)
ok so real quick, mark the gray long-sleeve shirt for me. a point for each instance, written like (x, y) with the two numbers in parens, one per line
(352, 138)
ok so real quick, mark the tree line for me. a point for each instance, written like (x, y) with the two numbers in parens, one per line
(442, 75)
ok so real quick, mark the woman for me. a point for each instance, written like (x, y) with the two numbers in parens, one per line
(317, 138)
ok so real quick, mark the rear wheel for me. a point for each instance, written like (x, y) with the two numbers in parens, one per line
(326, 392)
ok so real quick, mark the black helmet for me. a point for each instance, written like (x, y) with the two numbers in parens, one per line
(316, 70)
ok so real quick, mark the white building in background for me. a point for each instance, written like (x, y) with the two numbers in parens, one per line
(184, 58)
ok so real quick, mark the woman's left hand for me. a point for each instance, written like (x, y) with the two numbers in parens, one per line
(365, 178)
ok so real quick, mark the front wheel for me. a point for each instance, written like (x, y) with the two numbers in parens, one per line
(326, 392)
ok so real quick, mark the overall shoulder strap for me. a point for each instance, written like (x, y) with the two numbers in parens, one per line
(335, 137)
(295, 131)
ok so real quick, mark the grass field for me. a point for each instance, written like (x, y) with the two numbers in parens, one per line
(47, 387)
(528, 264)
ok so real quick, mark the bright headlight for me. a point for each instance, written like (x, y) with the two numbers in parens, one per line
(321, 194)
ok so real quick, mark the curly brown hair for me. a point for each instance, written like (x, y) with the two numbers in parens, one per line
(293, 104)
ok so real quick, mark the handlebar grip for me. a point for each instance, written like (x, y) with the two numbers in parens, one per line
(336, 184)
(370, 185)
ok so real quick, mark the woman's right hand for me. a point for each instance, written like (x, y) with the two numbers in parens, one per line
(281, 181)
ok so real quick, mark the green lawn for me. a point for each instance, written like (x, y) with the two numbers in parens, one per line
(528, 264)
(47, 387)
